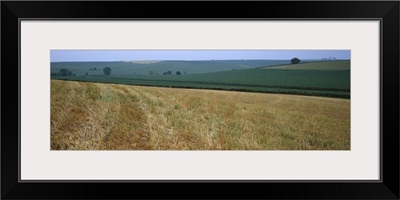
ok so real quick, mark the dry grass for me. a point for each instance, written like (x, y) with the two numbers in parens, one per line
(93, 116)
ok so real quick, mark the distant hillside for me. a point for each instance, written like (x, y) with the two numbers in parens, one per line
(323, 65)
(159, 67)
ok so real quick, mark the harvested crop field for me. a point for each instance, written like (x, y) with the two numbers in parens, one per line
(99, 116)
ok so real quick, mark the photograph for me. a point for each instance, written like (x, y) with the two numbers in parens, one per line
(113, 98)
(200, 99)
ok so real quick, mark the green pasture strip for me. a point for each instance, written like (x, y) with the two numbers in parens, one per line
(333, 83)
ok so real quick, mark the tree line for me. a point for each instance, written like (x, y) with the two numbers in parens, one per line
(66, 72)
(169, 72)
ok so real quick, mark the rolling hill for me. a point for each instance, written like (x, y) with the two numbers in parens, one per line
(308, 79)
(159, 67)
(323, 65)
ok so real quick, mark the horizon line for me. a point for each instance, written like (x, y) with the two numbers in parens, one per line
(191, 60)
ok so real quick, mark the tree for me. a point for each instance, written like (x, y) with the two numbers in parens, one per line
(151, 72)
(94, 68)
(87, 74)
(65, 72)
(169, 72)
(107, 71)
(295, 60)
(178, 73)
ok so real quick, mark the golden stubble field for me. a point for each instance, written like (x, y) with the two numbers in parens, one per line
(96, 116)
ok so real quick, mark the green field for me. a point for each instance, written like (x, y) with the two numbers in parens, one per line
(303, 79)
(324, 65)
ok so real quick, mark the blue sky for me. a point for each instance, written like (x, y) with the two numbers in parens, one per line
(130, 55)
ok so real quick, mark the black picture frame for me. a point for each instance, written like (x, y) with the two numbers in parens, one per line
(386, 11)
